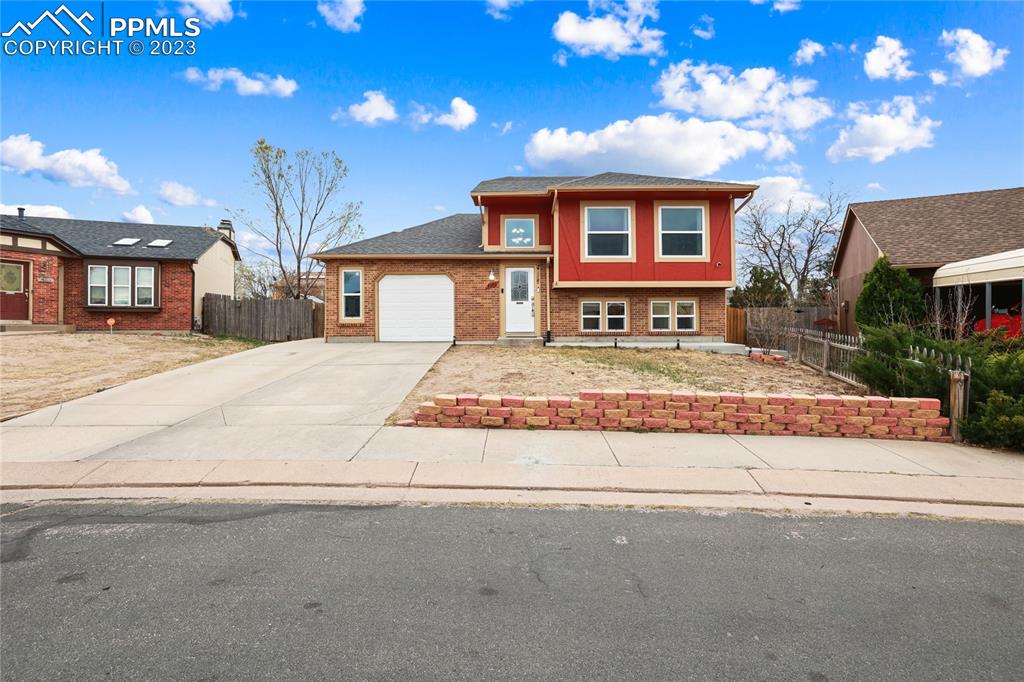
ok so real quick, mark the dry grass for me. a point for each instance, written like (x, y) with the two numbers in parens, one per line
(564, 371)
(37, 370)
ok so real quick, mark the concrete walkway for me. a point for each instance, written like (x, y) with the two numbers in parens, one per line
(298, 400)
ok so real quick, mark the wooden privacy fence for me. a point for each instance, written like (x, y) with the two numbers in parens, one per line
(263, 319)
(735, 325)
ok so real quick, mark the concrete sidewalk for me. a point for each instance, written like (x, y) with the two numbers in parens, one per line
(402, 481)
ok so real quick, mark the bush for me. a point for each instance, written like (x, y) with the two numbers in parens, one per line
(889, 297)
(887, 369)
(998, 421)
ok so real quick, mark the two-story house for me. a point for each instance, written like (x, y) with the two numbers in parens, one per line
(562, 258)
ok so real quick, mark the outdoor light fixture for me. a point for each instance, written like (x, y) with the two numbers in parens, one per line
(490, 276)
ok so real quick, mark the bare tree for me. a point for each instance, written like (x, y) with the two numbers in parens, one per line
(255, 279)
(768, 324)
(795, 245)
(305, 215)
(951, 312)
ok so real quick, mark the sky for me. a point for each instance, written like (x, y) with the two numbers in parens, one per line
(424, 99)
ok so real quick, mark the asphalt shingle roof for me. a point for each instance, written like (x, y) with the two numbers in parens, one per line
(601, 180)
(945, 228)
(95, 238)
(457, 234)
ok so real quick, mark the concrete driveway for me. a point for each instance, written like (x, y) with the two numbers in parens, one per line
(289, 401)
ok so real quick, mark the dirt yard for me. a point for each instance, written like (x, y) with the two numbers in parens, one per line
(564, 371)
(37, 370)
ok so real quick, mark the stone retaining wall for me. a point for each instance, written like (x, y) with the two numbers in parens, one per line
(683, 411)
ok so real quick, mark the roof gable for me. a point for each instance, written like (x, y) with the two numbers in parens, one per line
(945, 228)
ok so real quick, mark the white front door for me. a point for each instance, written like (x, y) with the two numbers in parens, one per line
(519, 295)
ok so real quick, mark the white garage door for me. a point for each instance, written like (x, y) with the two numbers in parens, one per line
(416, 308)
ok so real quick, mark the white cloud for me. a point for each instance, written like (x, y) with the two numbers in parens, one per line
(888, 59)
(760, 95)
(780, 6)
(808, 52)
(705, 29)
(210, 11)
(257, 84)
(938, 77)
(791, 168)
(37, 210)
(139, 214)
(461, 116)
(972, 55)
(177, 194)
(342, 15)
(874, 187)
(419, 115)
(503, 128)
(613, 29)
(780, 190)
(439, 208)
(376, 107)
(21, 154)
(499, 8)
(896, 127)
(651, 144)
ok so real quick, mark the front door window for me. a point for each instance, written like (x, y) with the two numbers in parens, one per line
(520, 286)
(10, 278)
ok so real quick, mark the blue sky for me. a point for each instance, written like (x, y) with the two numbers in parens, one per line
(885, 99)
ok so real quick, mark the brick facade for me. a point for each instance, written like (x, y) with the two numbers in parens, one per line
(44, 283)
(565, 310)
(478, 306)
(694, 412)
(174, 313)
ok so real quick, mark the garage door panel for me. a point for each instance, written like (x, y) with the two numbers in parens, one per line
(416, 308)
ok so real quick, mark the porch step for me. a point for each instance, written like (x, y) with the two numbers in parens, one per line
(519, 341)
(11, 329)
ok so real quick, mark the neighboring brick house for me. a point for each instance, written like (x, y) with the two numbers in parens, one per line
(562, 258)
(57, 271)
(921, 234)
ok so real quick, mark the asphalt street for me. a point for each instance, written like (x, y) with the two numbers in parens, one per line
(147, 591)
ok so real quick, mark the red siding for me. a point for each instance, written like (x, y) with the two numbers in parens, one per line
(718, 269)
(498, 207)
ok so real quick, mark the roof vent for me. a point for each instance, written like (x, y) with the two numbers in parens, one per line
(159, 243)
(127, 241)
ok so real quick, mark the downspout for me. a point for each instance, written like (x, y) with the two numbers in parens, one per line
(192, 297)
(547, 333)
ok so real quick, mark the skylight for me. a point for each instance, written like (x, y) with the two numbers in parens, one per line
(159, 243)
(127, 241)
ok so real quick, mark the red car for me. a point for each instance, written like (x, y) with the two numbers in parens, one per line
(1010, 319)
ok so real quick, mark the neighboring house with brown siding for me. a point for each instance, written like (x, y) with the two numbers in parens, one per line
(564, 258)
(921, 234)
(81, 273)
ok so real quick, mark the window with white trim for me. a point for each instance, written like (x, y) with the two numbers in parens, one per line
(145, 287)
(520, 233)
(686, 316)
(661, 316)
(590, 316)
(615, 316)
(681, 231)
(97, 285)
(351, 294)
(120, 285)
(608, 233)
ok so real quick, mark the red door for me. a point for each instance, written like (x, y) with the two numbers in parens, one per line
(13, 290)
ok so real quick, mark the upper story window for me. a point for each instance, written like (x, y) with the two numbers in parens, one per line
(351, 295)
(681, 231)
(608, 231)
(520, 232)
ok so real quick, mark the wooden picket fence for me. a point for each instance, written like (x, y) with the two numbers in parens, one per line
(263, 319)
